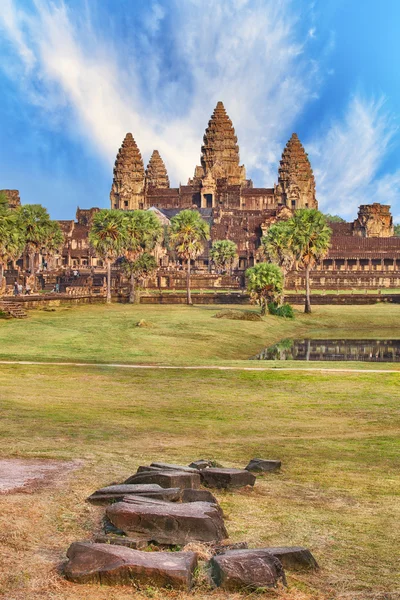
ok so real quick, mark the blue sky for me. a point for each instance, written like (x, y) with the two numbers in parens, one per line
(76, 75)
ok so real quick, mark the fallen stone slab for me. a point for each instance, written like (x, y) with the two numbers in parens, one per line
(260, 465)
(169, 523)
(172, 467)
(294, 558)
(117, 492)
(113, 565)
(190, 495)
(144, 500)
(246, 569)
(122, 540)
(226, 478)
(167, 479)
(201, 464)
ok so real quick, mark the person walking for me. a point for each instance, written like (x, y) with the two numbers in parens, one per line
(16, 289)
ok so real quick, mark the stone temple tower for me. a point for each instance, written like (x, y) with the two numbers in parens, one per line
(127, 190)
(219, 157)
(156, 172)
(296, 184)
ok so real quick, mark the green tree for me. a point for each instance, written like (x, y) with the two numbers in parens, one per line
(397, 230)
(277, 248)
(188, 234)
(223, 253)
(37, 227)
(12, 239)
(310, 240)
(265, 284)
(54, 241)
(334, 218)
(139, 269)
(107, 237)
(142, 231)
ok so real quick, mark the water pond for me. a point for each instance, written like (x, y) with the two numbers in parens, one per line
(334, 349)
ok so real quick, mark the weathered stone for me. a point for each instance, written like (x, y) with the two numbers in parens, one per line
(110, 565)
(201, 464)
(294, 558)
(116, 492)
(128, 183)
(172, 467)
(169, 523)
(226, 546)
(246, 569)
(166, 479)
(296, 184)
(156, 173)
(227, 478)
(190, 495)
(122, 540)
(259, 465)
(374, 220)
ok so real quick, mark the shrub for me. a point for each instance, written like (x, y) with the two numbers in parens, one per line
(285, 310)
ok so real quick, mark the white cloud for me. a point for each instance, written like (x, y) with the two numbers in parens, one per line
(348, 155)
(245, 53)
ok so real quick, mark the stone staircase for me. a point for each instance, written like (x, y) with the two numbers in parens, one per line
(13, 309)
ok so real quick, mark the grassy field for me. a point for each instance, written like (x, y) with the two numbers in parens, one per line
(179, 334)
(337, 435)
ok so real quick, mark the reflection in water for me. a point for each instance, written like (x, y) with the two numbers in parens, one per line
(309, 349)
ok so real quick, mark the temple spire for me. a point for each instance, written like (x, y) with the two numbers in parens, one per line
(128, 182)
(156, 172)
(296, 184)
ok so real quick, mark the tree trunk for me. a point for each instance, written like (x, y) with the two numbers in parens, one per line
(1, 275)
(189, 297)
(307, 306)
(108, 299)
(132, 289)
(32, 270)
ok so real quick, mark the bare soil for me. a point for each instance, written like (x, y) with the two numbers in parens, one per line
(29, 475)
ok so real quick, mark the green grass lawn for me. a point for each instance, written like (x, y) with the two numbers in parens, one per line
(179, 335)
(336, 434)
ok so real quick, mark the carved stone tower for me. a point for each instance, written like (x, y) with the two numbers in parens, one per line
(296, 184)
(127, 190)
(219, 157)
(374, 220)
(156, 173)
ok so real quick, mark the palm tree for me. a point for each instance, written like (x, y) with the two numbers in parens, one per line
(189, 232)
(107, 236)
(54, 241)
(310, 240)
(265, 284)
(222, 253)
(277, 247)
(142, 231)
(12, 240)
(37, 226)
(140, 268)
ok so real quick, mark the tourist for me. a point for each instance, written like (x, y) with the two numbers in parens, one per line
(16, 288)
(57, 288)
(27, 288)
(20, 289)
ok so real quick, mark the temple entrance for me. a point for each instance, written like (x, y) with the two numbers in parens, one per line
(208, 200)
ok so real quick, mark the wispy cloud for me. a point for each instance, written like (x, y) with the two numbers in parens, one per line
(348, 155)
(102, 89)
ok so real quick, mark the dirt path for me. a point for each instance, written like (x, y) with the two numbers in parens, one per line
(200, 367)
(28, 475)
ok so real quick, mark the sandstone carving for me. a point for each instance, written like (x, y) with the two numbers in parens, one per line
(156, 172)
(111, 565)
(296, 184)
(128, 183)
(374, 220)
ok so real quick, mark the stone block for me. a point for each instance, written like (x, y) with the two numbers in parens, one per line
(189, 495)
(227, 478)
(260, 465)
(169, 523)
(166, 479)
(294, 558)
(114, 493)
(115, 565)
(172, 467)
(200, 464)
(237, 570)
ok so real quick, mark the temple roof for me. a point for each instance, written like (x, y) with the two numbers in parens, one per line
(220, 142)
(129, 162)
(156, 172)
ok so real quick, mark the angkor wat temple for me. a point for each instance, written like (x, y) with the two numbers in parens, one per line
(364, 253)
